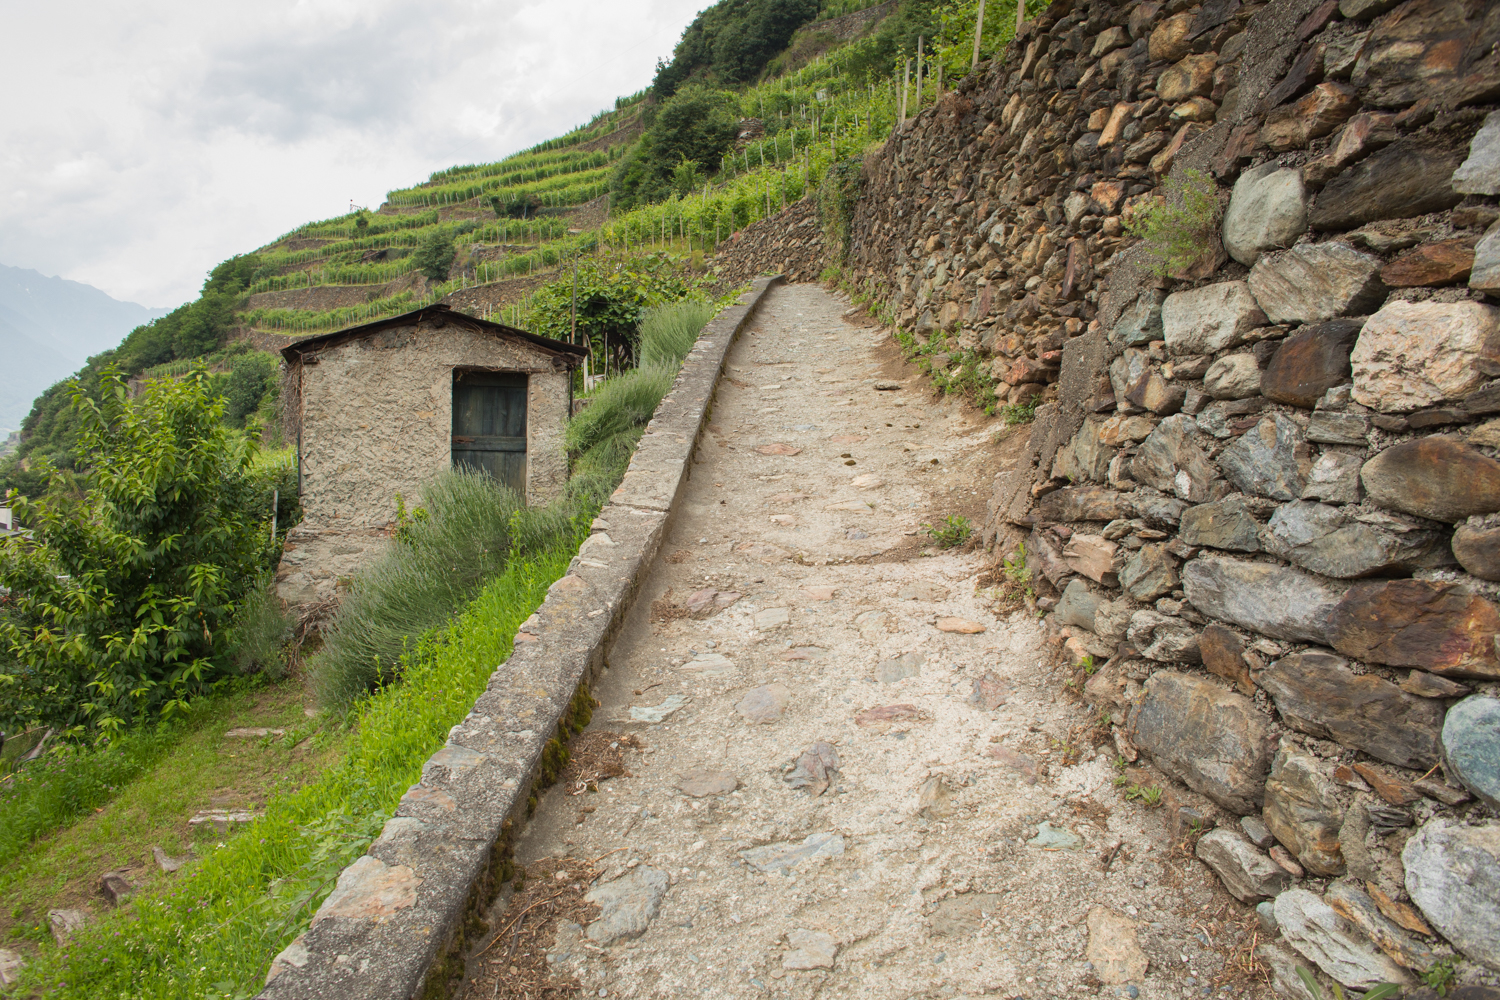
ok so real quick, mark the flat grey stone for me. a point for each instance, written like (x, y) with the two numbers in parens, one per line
(1247, 873)
(1345, 544)
(1283, 963)
(1211, 739)
(1055, 838)
(1149, 573)
(1334, 475)
(1480, 173)
(1326, 939)
(1256, 831)
(1171, 460)
(657, 713)
(1223, 524)
(1316, 281)
(1471, 743)
(1267, 211)
(809, 950)
(764, 704)
(1485, 276)
(64, 922)
(11, 964)
(1234, 377)
(1453, 874)
(1271, 459)
(1210, 319)
(705, 782)
(815, 769)
(1140, 323)
(1277, 601)
(627, 905)
(899, 668)
(1163, 638)
(786, 856)
(1338, 428)
(1077, 605)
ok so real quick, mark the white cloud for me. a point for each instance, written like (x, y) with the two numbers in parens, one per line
(160, 137)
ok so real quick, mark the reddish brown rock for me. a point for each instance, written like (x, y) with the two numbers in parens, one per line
(1437, 477)
(1309, 363)
(1434, 264)
(1364, 134)
(1392, 789)
(1438, 627)
(1327, 107)
(1223, 654)
(1443, 50)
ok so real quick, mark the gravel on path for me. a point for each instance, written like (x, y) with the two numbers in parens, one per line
(826, 804)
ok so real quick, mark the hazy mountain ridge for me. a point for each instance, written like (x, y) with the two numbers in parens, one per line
(49, 327)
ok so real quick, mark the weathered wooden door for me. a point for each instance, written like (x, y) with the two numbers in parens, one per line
(489, 425)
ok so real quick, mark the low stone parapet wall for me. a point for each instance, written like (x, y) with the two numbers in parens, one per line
(401, 914)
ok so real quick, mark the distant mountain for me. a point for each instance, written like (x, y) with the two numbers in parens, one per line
(48, 328)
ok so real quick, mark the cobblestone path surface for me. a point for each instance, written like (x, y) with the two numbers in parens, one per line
(859, 777)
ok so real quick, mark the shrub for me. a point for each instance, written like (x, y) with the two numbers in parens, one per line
(669, 332)
(1175, 230)
(732, 41)
(262, 633)
(692, 130)
(434, 254)
(614, 292)
(251, 376)
(469, 529)
(121, 603)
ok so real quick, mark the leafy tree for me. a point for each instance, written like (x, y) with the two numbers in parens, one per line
(614, 292)
(251, 376)
(435, 254)
(697, 126)
(731, 42)
(120, 605)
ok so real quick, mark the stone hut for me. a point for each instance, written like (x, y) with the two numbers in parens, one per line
(376, 410)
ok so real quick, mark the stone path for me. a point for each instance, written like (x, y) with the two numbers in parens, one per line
(970, 839)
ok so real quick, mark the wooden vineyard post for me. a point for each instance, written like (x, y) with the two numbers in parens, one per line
(905, 87)
(918, 110)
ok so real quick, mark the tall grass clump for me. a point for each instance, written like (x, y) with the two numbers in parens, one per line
(669, 332)
(465, 531)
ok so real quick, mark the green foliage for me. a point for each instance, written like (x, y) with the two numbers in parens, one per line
(68, 781)
(614, 292)
(120, 610)
(730, 42)
(472, 527)
(1439, 978)
(837, 196)
(514, 205)
(1377, 992)
(1018, 413)
(953, 532)
(1176, 229)
(1016, 572)
(435, 254)
(262, 633)
(213, 934)
(669, 332)
(690, 134)
(252, 376)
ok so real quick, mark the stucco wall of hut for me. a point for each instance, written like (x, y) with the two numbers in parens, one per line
(376, 418)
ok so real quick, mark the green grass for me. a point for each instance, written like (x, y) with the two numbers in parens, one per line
(214, 932)
(97, 810)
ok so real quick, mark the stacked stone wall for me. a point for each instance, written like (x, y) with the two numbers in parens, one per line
(1264, 495)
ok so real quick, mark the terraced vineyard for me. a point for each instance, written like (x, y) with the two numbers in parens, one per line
(360, 266)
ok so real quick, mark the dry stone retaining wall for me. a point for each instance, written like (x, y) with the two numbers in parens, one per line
(1266, 489)
(398, 914)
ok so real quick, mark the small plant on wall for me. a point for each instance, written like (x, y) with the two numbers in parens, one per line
(1177, 229)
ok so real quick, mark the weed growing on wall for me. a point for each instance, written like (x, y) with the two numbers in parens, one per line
(1175, 229)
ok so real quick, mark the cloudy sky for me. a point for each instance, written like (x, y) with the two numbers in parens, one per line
(145, 142)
